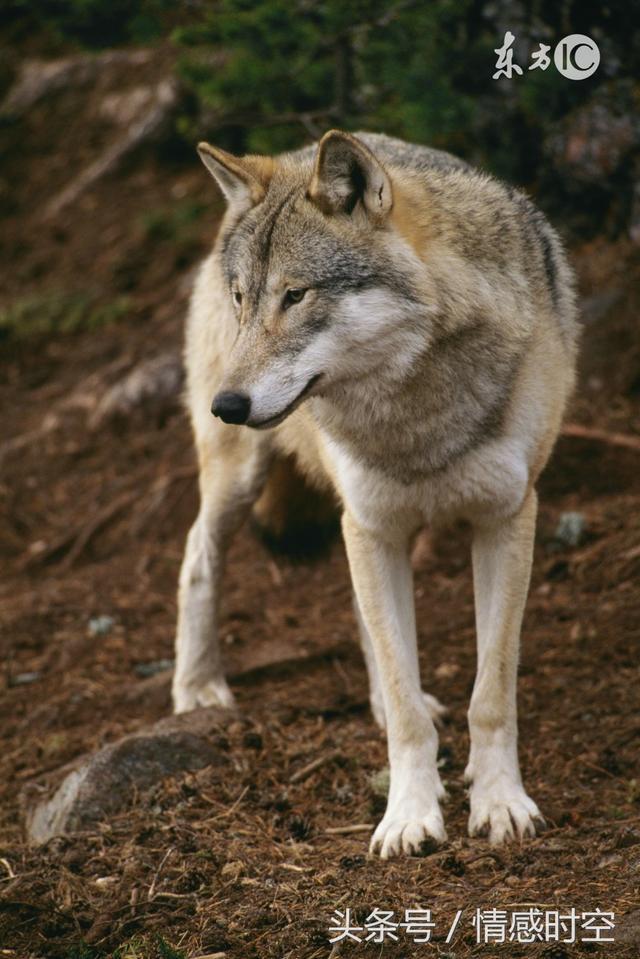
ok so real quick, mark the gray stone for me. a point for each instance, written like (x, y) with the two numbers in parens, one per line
(627, 929)
(154, 387)
(101, 625)
(40, 78)
(571, 529)
(106, 782)
(153, 668)
(24, 679)
(593, 142)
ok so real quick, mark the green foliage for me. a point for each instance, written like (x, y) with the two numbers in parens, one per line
(273, 72)
(58, 313)
(83, 951)
(379, 782)
(178, 225)
(268, 75)
(99, 23)
(166, 951)
(142, 947)
(174, 223)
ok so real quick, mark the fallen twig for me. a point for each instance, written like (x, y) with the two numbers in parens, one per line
(38, 79)
(82, 398)
(76, 540)
(489, 854)
(158, 495)
(103, 517)
(231, 808)
(346, 830)
(601, 436)
(312, 766)
(7, 866)
(600, 769)
(154, 882)
(143, 129)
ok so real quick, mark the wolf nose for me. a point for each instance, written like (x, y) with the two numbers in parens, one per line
(231, 407)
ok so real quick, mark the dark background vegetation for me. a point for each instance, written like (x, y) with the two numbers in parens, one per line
(104, 214)
(267, 75)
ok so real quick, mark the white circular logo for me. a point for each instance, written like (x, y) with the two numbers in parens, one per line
(577, 57)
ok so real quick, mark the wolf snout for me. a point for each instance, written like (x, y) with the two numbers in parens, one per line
(231, 407)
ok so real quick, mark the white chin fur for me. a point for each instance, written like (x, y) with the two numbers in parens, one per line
(368, 330)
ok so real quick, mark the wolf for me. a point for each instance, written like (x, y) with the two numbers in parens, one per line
(403, 327)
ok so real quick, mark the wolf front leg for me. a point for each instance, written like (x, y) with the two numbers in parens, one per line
(436, 710)
(382, 580)
(502, 555)
(231, 474)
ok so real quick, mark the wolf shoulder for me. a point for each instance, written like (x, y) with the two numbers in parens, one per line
(487, 219)
(485, 222)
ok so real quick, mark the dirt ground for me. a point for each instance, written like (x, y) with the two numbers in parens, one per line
(237, 860)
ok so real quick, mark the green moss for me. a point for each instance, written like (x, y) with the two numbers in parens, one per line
(379, 782)
(145, 947)
(174, 223)
(45, 314)
(83, 951)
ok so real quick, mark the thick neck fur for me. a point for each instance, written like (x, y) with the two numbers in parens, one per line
(446, 371)
(449, 402)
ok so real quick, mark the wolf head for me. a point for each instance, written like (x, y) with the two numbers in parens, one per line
(322, 284)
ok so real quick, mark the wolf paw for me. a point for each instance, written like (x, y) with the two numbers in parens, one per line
(398, 835)
(503, 814)
(215, 692)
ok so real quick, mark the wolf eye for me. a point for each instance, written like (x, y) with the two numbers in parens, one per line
(292, 297)
(237, 297)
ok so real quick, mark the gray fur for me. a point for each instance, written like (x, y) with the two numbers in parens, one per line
(420, 372)
(462, 382)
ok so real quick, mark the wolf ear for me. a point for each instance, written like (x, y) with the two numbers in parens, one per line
(243, 180)
(346, 172)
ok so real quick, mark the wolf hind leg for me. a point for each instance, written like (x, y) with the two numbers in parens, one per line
(436, 710)
(233, 466)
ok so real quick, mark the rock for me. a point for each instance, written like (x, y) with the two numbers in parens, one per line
(610, 859)
(105, 883)
(101, 625)
(125, 106)
(627, 929)
(591, 158)
(154, 123)
(106, 782)
(593, 142)
(25, 679)
(446, 670)
(153, 386)
(626, 838)
(571, 529)
(41, 78)
(153, 668)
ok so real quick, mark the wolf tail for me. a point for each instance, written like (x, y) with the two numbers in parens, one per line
(292, 517)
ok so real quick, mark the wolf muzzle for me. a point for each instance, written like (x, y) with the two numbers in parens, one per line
(231, 407)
